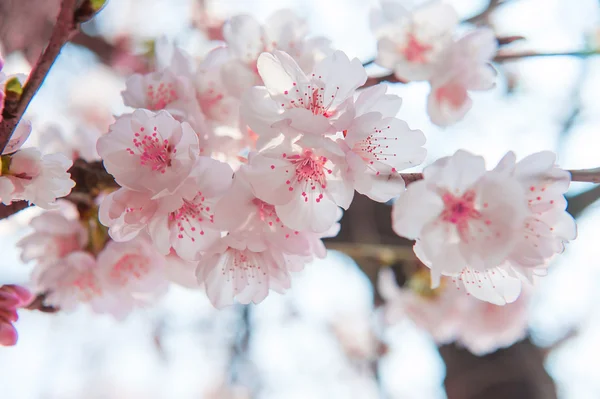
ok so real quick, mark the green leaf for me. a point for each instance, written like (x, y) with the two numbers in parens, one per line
(97, 4)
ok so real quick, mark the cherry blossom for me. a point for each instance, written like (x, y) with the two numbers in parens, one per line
(132, 268)
(305, 185)
(450, 316)
(27, 175)
(312, 104)
(246, 39)
(548, 226)
(244, 267)
(54, 237)
(180, 271)
(81, 143)
(12, 297)
(241, 210)
(183, 220)
(70, 281)
(411, 43)
(464, 66)
(465, 220)
(149, 151)
(376, 149)
(433, 310)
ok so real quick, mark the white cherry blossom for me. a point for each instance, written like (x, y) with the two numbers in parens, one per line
(313, 104)
(244, 267)
(54, 237)
(376, 149)
(149, 151)
(305, 185)
(411, 42)
(465, 66)
(39, 179)
(465, 220)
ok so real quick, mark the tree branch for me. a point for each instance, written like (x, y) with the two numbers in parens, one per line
(531, 54)
(67, 24)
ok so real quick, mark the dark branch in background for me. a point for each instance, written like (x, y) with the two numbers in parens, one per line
(38, 304)
(7, 210)
(105, 51)
(67, 24)
(482, 17)
(578, 203)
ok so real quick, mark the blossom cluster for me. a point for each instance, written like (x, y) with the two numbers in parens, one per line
(12, 297)
(489, 230)
(421, 44)
(231, 170)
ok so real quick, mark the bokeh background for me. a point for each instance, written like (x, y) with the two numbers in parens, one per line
(320, 340)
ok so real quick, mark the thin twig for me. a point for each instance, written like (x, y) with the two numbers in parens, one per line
(586, 175)
(531, 54)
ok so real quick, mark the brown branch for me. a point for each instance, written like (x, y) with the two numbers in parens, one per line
(8, 210)
(580, 202)
(586, 175)
(532, 54)
(38, 304)
(66, 26)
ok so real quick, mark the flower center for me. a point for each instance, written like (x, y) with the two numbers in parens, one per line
(191, 214)
(453, 94)
(153, 151)
(159, 97)
(130, 265)
(311, 98)
(415, 51)
(87, 286)
(460, 210)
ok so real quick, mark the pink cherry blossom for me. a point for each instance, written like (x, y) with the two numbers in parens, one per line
(81, 143)
(183, 220)
(548, 226)
(433, 310)
(218, 94)
(149, 151)
(241, 210)
(484, 327)
(244, 267)
(70, 281)
(411, 43)
(465, 220)
(12, 297)
(132, 268)
(305, 185)
(54, 237)
(450, 316)
(314, 104)
(246, 39)
(180, 271)
(376, 149)
(27, 175)
(464, 66)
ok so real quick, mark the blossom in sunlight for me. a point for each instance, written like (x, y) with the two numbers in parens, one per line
(149, 151)
(81, 143)
(183, 220)
(12, 297)
(246, 39)
(245, 267)
(449, 316)
(292, 101)
(306, 185)
(465, 66)
(217, 93)
(132, 269)
(69, 281)
(548, 226)
(39, 179)
(433, 310)
(465, 221)
(54, 237)
(377, 148)
(411, 42)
